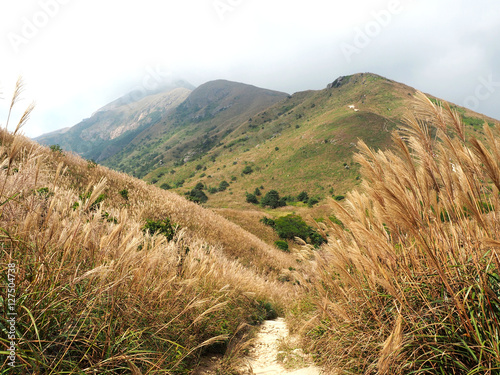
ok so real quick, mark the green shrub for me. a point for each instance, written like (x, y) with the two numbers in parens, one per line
(197, 195)
(316, 239)
(164, 227)
(56, 148)
(247, 170)
(291, 226)
(251, 198)
(165, 186)
(223, 185)
(282, 245)
(335, 220)
(312, 201)
(303, 197)
(124, 194)
(266, 221)
(257, 192)
(272, 199)
(339, 197)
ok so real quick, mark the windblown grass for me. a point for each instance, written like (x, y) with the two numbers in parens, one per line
(412, 285)
(95, 293)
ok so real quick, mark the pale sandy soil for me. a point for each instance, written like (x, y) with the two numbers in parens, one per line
(272, 352)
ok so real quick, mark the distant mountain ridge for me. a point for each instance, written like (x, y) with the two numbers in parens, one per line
(110, 127)
(301, 142)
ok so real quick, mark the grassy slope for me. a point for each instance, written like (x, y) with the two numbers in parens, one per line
(95, 292)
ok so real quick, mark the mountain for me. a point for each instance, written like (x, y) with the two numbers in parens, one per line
(305, 142)
(246, 137)
(112, 126)
(210, 114)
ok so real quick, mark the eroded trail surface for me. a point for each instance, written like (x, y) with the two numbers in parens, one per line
(273, 352)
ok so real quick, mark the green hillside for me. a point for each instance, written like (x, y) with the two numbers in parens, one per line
(305, 142)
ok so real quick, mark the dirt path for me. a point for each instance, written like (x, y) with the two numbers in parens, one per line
(273, 352)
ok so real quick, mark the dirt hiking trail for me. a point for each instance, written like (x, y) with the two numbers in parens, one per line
(272, 352)
(268, 349)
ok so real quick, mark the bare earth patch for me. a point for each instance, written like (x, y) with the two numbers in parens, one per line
(273, 352)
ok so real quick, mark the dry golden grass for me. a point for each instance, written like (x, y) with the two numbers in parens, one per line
(412, 285)
(95, 293)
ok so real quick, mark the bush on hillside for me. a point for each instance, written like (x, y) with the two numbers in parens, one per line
(197, 196)
(164, 227)
(303, 197)
(251, 198)
(282, 245)
(291, 226)
(272, 199)
(223, 185)
(247, 170)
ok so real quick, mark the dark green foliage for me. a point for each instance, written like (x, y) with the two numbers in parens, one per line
(266, 221)
(179, 183)
(199, 186)
(272, 199)
(197, 195)
(291, 226)
(339, 197)
(165, 186)
(282, 245)
(164, 227)
(56, 148)
(276, 148)
(223, 185)
(303, 197)
(265, 311)
(251, 198)
(312, 201)
(124, 194)
(257, 192)
(315, 238)
(247, 170)
(212, 190)
(199, 167)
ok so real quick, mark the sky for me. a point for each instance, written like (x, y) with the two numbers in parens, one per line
(76, 56)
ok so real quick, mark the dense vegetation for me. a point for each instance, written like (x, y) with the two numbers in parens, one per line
(412, 283)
